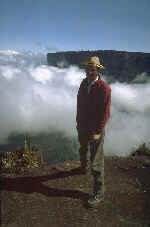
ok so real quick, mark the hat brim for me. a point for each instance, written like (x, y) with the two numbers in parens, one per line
(85, 64)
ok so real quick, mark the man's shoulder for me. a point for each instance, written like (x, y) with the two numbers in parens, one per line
(104, 85)
(84, 81)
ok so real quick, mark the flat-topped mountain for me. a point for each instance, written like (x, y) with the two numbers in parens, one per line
(122, 65)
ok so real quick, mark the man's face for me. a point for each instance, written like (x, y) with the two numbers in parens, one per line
(91, 72)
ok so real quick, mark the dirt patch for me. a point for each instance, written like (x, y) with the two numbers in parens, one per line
(57, 196)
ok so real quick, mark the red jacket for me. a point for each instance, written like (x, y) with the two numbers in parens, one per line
(93, 109)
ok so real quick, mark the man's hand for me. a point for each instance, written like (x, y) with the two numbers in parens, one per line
(95, 137)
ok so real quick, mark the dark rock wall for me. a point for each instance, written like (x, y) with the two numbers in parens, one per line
(120, 64)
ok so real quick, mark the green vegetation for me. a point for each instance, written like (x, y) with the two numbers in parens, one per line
(22, 160)
(143, 149)
(52, 147)
(55, 146)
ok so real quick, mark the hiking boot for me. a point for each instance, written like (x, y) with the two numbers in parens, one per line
(95, 199)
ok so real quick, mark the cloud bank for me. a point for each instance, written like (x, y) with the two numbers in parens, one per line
(36, 97)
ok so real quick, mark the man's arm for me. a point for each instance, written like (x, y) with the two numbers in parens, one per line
(104, 112)
(78, 104)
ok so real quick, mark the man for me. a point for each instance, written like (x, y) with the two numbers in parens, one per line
(93, 112)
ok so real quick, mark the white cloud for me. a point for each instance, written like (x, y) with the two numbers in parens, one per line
(73, 76)
(8, 72)
(35, 96)
(41, 74)
(8, 52)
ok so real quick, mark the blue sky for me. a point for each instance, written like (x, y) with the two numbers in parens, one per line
(56, 25)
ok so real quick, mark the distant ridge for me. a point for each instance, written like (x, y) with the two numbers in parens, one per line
(122, 65)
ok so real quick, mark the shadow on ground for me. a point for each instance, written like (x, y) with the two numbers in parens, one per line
(34, 184)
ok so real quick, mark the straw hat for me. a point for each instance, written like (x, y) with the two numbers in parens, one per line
(93, 61)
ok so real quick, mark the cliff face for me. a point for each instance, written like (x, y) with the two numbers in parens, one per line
(120, 64)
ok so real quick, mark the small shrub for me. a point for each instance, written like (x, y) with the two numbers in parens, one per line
(143, 149)
(21, 161)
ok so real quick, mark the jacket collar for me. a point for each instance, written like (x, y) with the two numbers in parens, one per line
(97, 81)
(93, 82)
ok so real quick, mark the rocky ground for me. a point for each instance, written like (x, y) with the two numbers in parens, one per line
(56, 196)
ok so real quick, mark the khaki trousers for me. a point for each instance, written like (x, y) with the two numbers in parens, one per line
(92, 155)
